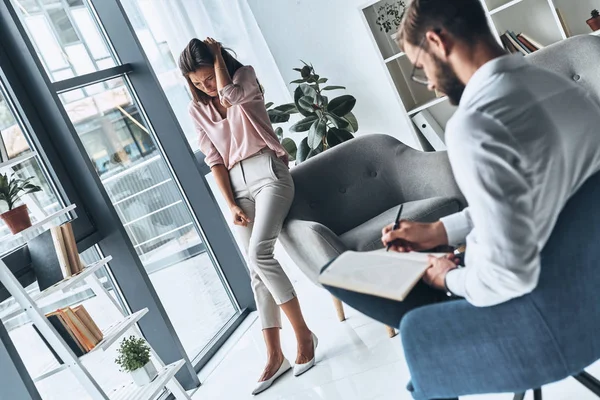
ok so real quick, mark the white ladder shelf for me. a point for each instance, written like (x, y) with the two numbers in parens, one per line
(29, 305)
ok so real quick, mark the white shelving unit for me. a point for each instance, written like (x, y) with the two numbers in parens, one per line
(30, 305)
(538, 19)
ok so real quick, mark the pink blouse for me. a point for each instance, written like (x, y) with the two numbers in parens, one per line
(247, 128)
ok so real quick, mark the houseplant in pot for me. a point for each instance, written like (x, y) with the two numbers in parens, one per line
(594, 22)
(327, 122)
(11, 190)
(134, 357)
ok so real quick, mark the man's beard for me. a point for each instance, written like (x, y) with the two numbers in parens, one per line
(447, 81)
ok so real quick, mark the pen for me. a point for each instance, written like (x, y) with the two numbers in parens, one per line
(396, 224)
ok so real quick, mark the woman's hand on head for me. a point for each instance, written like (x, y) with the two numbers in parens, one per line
(214, 46)
(239, 216)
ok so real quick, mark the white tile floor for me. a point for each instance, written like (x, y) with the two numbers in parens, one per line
(355, 361)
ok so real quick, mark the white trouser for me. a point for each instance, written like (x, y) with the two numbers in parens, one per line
(264, 189)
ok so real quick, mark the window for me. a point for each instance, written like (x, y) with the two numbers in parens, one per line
(137, 176)
(19, 158)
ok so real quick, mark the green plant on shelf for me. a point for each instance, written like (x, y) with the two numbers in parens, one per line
(13, 188)
(328, 123)
(389, 16)
(134, 353)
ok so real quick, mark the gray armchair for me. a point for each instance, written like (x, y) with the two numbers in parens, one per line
(345, 196)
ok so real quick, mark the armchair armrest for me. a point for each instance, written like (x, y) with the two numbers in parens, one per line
(310, 245)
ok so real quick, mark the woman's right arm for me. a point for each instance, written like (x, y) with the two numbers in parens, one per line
(213, 159)
(221, 175)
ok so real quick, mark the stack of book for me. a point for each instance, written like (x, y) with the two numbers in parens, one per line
(521, 43)
(66, 250)
(77, 329)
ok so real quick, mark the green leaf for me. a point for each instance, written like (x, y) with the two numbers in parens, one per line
(338, 122)
(333, 87)
(298, 81)
(278, 117)
(342, 105)
(301, 91)
(269, 104)
(316, 133)
(303, 125)
(306, 104)
(322, 80)
(336, 136)
(290, 146)
(297, 69)
(279, 133)
(303, 151)
(351, 118)
(289, 108)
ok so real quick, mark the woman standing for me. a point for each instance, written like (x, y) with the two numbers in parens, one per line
(251, 170)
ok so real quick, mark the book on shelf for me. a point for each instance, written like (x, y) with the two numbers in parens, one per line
(87, 320)
(71, 245)
(61, 251)
(508, 45)
(515, 41)
(526, 43)
(563, 22)
(66, 250)
(537, 44)
(76, 327)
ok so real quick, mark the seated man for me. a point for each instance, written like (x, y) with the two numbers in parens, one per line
(522, 141)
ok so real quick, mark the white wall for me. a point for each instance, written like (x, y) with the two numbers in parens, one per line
(331, 35)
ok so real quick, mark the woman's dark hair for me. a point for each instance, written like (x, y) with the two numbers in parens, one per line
(197, 54)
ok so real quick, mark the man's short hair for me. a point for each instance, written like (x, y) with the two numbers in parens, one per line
(464, 19)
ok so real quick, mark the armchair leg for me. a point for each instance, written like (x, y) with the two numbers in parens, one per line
(537, 394)
(339, 308)
(589, 382)
(390, 331)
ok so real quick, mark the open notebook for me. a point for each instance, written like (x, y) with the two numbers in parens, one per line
(379, 273)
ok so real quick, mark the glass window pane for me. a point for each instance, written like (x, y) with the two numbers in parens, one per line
(62, 26)
(74, 3)
(46, 43)
(28, 6)
(148, 28)
(73, 95)
(61, 47)
(154, 213)
(92, 37)
(78, 56)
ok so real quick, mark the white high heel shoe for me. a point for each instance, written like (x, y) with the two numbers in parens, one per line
(264, 385)
(299, 369)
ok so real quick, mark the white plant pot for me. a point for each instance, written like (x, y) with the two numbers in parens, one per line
(144, 375)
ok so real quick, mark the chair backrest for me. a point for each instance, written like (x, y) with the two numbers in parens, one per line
(358, 180)
(568, 292)
(577, 58)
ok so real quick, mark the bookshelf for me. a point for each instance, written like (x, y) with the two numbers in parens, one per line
(538, 19)
(111, 334)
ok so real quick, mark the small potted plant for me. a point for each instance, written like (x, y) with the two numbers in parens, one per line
(594, 22)
(11, 190)
(389, 17)
(134, 357)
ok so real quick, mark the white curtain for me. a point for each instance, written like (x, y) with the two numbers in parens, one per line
(229, 21)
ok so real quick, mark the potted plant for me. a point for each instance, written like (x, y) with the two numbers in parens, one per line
(134, 357)
(328, 122)
(11, 190)
(594, 22)
(389, 17)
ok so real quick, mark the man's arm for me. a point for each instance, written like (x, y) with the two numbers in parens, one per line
(502, 260)
(458, 226)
